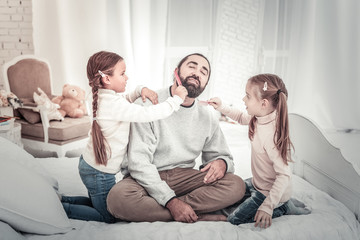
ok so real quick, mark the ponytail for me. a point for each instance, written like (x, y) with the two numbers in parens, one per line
(252, 128)
(281, 136)
(272, 88)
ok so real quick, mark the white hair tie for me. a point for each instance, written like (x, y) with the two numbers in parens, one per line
(265, 86)
(101, 73)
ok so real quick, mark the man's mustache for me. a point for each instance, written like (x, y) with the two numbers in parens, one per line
(193, 77)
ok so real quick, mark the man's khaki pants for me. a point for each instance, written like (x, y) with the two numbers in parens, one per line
(129, 201)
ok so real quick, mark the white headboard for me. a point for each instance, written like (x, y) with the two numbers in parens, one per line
(321, 164)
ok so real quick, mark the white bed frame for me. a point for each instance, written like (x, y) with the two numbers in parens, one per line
(322, 164)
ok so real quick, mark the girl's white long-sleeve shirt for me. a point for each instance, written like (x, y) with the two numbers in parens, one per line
(271, 176)
(114, 114)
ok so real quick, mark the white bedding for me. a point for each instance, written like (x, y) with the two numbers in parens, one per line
(329, 219)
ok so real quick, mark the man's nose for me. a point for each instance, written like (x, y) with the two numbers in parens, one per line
(196, 73)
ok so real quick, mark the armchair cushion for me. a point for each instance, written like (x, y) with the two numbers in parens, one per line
(29, 115)
(68, 130)
(34, 117)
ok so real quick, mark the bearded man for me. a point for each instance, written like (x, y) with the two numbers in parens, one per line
(160, 182)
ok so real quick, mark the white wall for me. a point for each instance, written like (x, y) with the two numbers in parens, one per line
(236, 48)
(71, 33)
(223, 30)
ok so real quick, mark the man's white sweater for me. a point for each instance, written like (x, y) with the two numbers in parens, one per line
(174, 142)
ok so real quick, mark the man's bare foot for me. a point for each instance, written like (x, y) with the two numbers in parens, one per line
(212, 217)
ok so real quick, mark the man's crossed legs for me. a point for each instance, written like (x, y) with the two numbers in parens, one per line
(129, 201)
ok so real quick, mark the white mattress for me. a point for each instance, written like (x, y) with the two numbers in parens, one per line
(329, 219)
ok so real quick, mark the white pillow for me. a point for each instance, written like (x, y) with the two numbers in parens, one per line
(12, 152)
(8, 232)
(28, 202)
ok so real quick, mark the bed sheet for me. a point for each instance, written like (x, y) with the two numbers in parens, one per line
(329, 219)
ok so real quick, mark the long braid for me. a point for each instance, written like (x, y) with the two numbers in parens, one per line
(101, 148)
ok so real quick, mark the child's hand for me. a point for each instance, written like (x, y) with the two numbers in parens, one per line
(150, 94)
(181, 92)
(262, 219)
(215, 102)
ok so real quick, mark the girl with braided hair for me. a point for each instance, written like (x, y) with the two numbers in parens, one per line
(112, 114)
(269, 190)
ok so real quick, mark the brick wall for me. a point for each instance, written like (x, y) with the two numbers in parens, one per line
(15, 30)
(235, 48)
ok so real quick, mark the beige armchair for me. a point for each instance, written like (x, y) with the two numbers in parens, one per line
(23, 76)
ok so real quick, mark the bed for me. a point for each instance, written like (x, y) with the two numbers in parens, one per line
(323, 180)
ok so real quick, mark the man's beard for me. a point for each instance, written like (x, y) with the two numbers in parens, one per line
(193, 91)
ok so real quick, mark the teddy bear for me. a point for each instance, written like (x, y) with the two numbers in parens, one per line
(72, 101)
(43, 102)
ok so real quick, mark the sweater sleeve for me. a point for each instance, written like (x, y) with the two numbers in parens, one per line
(132, 96)
(142, 146)
(282, 180)
(235, 114)
(129, 112)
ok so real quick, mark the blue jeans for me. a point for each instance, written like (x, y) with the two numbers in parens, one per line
(249, 205)
(92, 208)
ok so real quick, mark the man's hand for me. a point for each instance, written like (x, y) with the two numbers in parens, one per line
(262, 219)
(150, 94)
(216, 170)
(181, 211)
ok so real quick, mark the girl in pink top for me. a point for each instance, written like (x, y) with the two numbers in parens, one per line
(268, 191)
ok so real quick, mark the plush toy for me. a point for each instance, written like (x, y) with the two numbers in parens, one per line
(43, 102)
(3, 99)
(72, 101)
(9, 99)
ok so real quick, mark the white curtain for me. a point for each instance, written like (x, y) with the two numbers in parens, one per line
(320, 39)
(68, 32)
(323, 76)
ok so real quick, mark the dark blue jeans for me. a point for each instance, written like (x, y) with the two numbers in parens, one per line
(92, 208)
(249, 205)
